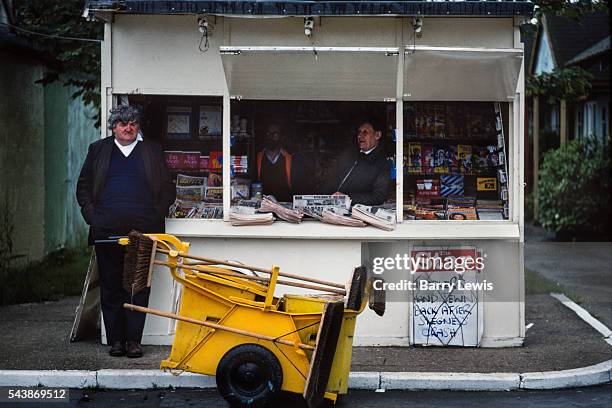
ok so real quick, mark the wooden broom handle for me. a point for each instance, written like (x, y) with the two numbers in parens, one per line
(216, 326)
(257, 278)
(255, 268)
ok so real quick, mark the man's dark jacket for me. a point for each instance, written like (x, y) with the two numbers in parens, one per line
(368, 181)
(95, 169)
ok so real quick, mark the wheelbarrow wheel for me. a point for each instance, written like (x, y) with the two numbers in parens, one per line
(249, 375)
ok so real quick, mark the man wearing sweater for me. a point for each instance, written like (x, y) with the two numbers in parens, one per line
(124, 184)
(274, 165)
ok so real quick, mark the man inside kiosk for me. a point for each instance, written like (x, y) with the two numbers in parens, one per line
(364, 174)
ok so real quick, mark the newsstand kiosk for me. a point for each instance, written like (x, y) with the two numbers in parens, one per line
(447, 78)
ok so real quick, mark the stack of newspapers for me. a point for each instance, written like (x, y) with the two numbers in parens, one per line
(270, 205)
(242, 215)
(375, 216)
(335, 217)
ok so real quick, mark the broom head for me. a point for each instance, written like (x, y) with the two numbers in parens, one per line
(138, 262)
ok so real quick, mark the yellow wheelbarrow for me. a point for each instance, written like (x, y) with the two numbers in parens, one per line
(232, 326)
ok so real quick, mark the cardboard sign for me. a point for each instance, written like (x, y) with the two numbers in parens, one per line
(451, 316)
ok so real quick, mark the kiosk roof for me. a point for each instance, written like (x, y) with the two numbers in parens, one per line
(485, 8)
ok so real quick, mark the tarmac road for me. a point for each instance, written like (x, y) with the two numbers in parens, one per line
(584, 268)
(592, 397)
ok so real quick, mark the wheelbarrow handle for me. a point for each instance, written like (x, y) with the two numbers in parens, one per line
(217, 326)
(110, 240)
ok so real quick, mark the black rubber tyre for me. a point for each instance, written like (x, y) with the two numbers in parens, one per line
(250, 376)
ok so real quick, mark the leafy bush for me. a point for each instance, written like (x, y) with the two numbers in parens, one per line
(574, 188)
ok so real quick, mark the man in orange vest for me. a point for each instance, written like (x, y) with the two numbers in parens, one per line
(274, 165)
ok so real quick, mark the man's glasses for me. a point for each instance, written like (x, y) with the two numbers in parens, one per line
(273, 133)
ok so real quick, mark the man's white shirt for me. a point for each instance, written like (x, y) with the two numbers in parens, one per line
(127, 149)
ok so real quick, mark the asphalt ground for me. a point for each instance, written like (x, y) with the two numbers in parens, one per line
(36, 337)
(591, 397)
(584, 269)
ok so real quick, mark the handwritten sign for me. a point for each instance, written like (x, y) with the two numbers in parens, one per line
(446, 305)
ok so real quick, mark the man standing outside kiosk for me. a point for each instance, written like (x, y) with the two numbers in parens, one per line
(124, 184)
(363, 175)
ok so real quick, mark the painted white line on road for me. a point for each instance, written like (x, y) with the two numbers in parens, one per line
(584, 315)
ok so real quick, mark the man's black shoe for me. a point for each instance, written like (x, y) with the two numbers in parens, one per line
(117, 349)
(134, 350)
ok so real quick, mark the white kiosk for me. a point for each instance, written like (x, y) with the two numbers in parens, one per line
(405, 56)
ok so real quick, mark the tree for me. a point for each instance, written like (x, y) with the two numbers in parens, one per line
(73, 62)
(569, 84)
(575, 9)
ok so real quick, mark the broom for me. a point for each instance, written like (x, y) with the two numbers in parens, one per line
(138, 262)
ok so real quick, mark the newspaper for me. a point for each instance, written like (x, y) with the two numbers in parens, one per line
(239, 218)
(331, 217)
(190, 193)
(317, 203)
(312, 212)
(317, 212)
(375, 216)
(268, 204)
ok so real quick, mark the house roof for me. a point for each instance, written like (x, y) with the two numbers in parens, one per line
(528, 37)
(569, 38)
(599, 48)
(491, 8)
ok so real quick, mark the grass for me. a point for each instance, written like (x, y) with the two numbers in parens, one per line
(58, 275)
(538, 284)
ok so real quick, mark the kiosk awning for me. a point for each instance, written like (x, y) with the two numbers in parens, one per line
(461, 74)
(307, 73)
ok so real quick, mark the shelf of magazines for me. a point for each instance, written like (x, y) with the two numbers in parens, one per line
(453, 174)
(502, 170)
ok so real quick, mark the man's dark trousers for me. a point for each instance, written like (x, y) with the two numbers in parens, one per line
(120, 324)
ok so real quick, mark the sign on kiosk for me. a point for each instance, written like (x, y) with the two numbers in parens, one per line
(447, 297)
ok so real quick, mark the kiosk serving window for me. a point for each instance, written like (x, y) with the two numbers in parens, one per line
(311, 134)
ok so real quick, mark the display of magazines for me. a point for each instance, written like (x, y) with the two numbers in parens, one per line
(193, 199)
(375, 216)
(192, 209)
(441, 158)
